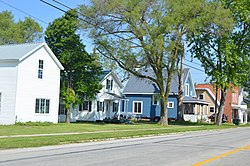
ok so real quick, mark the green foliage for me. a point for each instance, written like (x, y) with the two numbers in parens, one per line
(68, 95)
(223, 47)
(34, 124)
(148, 33)
(21, 32)
(80, 77)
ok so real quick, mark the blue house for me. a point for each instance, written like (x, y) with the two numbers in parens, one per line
(142, 96)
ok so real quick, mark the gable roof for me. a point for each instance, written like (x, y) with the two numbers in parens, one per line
(106, 73)
(209, 93)
(19, 52)
(137, 85)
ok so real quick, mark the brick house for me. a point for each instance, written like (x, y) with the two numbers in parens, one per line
(234, 105)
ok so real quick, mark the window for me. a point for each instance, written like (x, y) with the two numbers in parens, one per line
(85, 106)
(1, 101)
(109, 84)
(137, 107)
(100, 106)
(42, 106)
(155, 100)
(115, 107)
(187, 90)
(211, 109)
(201, 96)
(170, 104)
(40, 69)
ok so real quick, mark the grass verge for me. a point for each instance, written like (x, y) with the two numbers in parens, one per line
(112, 131)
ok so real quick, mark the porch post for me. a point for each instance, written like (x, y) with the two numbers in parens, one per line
(119, 107)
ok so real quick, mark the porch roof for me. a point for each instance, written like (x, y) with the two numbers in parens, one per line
(191, 100)
(115, 95)
(239, 107)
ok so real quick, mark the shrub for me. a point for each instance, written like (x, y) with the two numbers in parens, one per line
(34, 123)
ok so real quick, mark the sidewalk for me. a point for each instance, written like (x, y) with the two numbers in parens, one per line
(78, 133)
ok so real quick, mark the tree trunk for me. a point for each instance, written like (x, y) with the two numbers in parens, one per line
(68, 115)
(181, 89)
(216, 104)
(164, 111)
(221, 107)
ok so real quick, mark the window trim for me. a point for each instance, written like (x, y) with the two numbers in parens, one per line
(134, 107)
(98, 104)
(44, 107)
(40, 69)
(171, 103)
(109, 84)
(212, 107)
(115, 107)
(89, 106)
(187, 90)
(155, 98)
(203, 96)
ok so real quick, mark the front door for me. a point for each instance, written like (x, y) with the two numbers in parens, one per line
(107, 109)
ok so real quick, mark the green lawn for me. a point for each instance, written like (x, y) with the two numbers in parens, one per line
(111, 131)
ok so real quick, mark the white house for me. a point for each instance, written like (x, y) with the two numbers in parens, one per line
(105, 105)
(29, 83)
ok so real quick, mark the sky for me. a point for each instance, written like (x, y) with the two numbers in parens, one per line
(44, 14)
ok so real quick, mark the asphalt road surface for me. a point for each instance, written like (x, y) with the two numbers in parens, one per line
(211, 148)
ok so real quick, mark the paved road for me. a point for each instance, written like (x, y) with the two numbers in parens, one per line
(210, 148)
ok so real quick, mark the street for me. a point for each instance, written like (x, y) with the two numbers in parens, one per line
(210, 148)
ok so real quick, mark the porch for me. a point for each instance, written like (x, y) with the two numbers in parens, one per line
(195, 110)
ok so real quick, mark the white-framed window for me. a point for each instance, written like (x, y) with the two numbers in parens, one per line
(40, 69)
(187, 90)
(155, 100)
(109, 84)
(42, 106)
(1, 96)
(137, 107)
(85, 106)
(100, 106)
(170, 104)
(211, 109)
(115, 107)
(201, 96)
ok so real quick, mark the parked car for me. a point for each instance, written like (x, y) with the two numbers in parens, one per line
(212, 117)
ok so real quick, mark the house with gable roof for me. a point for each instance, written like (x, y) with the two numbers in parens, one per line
(106, 104)
(29, 83)
(141, 98)
(235, 107)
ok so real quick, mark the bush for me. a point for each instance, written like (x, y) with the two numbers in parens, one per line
(34, 123)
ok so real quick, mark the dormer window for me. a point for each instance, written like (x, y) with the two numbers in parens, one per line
(40, 69)
(109, 84)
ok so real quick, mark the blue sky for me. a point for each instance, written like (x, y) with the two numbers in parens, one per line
(46, 14)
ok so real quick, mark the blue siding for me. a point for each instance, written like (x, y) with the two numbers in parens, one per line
(146, 106)
(191, 89)
(172, 112)
(149, 110)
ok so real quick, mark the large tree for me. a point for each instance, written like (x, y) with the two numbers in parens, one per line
(80, 78)
(12, 32)
(146, 33)
(223, 51)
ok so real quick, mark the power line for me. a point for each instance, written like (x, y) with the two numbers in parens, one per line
(192, 61)
(23, 12)
(99, 26)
